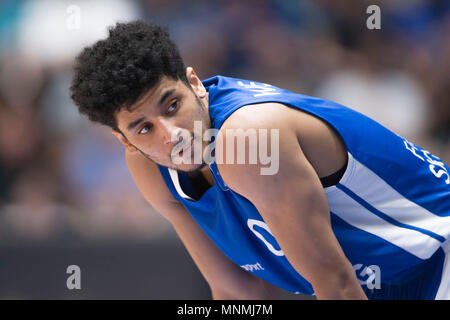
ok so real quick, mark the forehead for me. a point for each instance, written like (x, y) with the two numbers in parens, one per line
(148, 100)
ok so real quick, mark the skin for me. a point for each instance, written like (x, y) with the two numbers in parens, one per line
(152, 137)
(291, 202)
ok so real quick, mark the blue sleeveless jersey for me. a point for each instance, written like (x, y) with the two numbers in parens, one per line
(390, 210)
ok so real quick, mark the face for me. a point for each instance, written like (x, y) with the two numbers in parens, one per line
(167, 110)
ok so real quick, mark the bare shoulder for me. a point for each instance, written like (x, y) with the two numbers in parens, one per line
(277, 115)
(321, 144)
(262, 115)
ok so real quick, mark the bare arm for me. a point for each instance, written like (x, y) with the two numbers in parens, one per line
(294, 206)
(226, 279)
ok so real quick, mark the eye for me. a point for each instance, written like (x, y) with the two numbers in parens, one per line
(172, 107)
(145, 129)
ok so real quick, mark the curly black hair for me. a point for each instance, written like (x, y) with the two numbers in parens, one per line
(113, 73)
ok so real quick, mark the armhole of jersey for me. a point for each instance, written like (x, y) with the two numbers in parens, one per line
(334, 178)
(176, 183)
(165, 174)
(346, 176)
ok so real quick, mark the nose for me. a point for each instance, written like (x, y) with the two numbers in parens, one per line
(168, 131)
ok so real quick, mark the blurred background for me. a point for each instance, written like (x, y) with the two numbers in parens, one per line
(66, 196)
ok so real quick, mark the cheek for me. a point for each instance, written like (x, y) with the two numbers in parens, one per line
(145, 144)
(198, 113)
(157, 149)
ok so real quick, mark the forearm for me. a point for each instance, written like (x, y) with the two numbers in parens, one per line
(222, 295)
(339, 287)
(252, 289)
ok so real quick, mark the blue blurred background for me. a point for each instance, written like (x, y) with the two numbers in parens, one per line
(66, 196)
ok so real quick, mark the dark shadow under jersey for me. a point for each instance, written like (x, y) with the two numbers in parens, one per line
(199, 184)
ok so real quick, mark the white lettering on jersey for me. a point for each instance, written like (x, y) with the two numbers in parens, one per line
(374, 276)
(251, 223)
(263, 90)
(252, 267)
(436, 166)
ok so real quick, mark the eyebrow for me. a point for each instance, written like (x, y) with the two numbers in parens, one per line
(166, 95)
(135, 123)
(163, 98)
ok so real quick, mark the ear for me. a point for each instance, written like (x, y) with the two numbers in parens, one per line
(195, 82)
(130, 148)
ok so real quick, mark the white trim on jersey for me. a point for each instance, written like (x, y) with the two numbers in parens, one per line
(443, 292)
(382, 198)
(375, 191)
(176, 182)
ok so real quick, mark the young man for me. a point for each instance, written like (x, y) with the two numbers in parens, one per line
(345, 210)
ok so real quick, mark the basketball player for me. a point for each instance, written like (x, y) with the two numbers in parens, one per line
(353, 211)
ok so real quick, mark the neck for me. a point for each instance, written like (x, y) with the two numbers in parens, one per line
(205, 101)
(207, 174)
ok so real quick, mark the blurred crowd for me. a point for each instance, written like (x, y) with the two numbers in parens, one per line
(62, 177)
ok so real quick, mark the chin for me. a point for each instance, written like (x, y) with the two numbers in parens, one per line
(190, 167)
